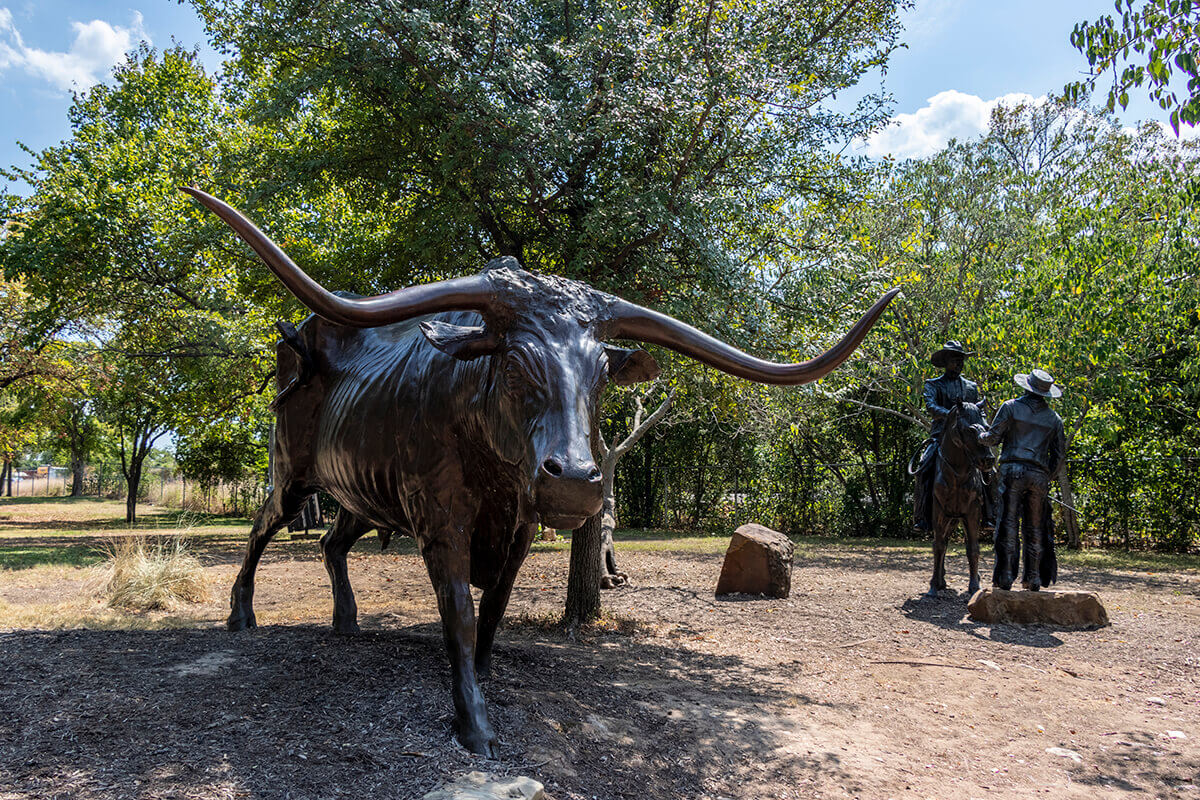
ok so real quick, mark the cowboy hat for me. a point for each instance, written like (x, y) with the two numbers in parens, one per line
(938, 359)
(1039, 382)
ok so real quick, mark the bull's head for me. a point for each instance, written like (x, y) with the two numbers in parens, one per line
(549, 335)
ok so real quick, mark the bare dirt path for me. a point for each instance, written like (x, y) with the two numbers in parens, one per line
(852, 687)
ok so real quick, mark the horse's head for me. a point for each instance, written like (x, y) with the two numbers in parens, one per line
(960, 435)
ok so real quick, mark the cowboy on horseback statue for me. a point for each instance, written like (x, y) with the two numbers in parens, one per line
(1034, 446)
(941, 395)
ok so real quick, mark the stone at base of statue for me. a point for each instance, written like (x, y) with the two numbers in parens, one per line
(478, 786)
(758, 561)
(1047, 607)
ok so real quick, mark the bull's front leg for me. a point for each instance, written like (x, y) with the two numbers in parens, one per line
(447, 558)
(495, 600)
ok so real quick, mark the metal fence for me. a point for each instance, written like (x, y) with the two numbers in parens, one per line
(1135, 503)
(159, 487)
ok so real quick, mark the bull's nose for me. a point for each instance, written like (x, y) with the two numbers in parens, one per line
(567, 490)
(586, 472)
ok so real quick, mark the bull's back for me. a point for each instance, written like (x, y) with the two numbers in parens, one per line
(389, 426)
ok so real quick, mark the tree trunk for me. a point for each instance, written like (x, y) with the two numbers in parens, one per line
(8, 477)
(76, 476)
(610, 576)
(1070, 518)
(133, 482)
(583, 579)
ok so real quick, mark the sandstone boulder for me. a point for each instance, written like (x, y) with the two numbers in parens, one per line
(479, 786)
(758, 561)
(1047, 607)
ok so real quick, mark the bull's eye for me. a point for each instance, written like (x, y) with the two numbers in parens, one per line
(519, 384)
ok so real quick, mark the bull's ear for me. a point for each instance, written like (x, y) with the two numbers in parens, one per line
(627, 367)
(461, 341)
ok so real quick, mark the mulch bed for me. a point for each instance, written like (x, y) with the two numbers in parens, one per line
(854, 686)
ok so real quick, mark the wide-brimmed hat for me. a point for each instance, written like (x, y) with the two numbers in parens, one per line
(938, 359)
(1039, 382)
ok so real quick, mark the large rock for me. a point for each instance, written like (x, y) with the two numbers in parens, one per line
(1047, 607)
(478, 786)
(758, 561)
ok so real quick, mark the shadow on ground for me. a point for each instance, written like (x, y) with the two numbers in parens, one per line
(299, 712)
(949, 611)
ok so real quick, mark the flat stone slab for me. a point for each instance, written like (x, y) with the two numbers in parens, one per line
(480, 786)
(758, 561)
(1047, 607)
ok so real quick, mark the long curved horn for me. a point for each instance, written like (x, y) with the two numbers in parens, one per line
(472, 293)
(630, 321)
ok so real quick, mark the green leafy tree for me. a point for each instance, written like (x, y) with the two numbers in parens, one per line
(628, 144)
(658, 149)
(115, 252)
(1149, 43)
(1057, 240)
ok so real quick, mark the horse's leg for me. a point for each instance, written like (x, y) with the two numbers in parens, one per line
(941, 534)
(946, 527)
(972, 526)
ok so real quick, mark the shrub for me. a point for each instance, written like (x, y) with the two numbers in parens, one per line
(145, 574)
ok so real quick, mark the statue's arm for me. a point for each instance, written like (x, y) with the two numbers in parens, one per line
(1058, 449)
(1000, 425)
(935, 410)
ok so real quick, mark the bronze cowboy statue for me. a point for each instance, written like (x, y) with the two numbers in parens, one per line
(1034, 444)
(942, 394)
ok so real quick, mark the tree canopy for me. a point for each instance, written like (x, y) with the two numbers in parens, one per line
(1149, 43)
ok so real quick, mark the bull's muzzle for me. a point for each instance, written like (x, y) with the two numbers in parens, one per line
(567, 491)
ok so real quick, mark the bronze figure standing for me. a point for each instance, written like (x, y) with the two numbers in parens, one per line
(1034, 445)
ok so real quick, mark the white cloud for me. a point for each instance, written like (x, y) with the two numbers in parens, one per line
(947, 115)
(926, 21)
(1187, 133)
(97, 48)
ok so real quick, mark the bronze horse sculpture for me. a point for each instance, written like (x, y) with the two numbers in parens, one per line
(958, 490)
(462, 413)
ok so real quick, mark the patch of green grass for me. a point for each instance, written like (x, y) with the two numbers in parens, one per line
(1126, 561)
(647, 540)
(28, 556)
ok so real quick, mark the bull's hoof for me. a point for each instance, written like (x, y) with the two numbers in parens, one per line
(972, 588)
(346, 627)
(932, 593)
(239, 621)
(480, 741)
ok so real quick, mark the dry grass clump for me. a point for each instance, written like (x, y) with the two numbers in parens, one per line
(146, 574)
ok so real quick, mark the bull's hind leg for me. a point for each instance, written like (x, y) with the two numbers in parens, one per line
(280, 506)
(495, 600)
(337, 541)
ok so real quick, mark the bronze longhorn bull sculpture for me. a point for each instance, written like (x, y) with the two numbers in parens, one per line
(461, 412)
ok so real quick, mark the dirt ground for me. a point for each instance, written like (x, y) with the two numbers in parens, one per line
(855, 686)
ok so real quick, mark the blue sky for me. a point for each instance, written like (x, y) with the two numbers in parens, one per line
(963, 56)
